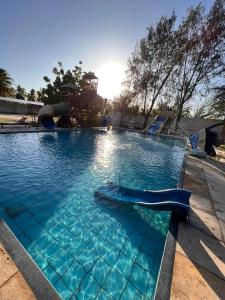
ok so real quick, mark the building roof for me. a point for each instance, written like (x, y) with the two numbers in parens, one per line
(12, 100)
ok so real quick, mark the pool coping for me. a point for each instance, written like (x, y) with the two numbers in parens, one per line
(42, 129)
(38, 283)
(165, 276)
(172, 136)
(36, 130)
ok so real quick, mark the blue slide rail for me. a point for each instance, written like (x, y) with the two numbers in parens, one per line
(175, 200)
(157, 125)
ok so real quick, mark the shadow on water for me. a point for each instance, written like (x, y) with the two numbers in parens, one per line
(198, 248)
(145, 229)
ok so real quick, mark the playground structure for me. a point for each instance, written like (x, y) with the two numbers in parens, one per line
(72, 105)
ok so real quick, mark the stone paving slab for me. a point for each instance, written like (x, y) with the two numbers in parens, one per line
(199, 265)
(16, 289)
(202, 203)
(218, 196)
(219, 206)
(196, 185)
(206, 222)
(7, 267)
(220, 216)
(222, 227)
(12, 284)
(202, 249)
(191, 282)
(213, 176)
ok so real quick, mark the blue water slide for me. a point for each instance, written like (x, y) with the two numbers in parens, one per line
(157, 125)
(175, 200)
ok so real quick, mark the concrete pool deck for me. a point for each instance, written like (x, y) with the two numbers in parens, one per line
(199, 265)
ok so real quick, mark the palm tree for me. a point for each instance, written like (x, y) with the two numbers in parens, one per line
(6, 89)
(20, 93)
(32, 95)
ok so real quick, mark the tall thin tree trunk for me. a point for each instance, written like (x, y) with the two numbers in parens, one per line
(177, 118)
(145, 122)
(223, 133)
(146, 116)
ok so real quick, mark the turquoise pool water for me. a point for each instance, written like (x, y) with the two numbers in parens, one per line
(86, 249)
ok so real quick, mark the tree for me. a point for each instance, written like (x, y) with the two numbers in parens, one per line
(176, 63)
(40, 95)
(152, 63)
(202, 38)
(32, 95)
(87, 108)
(21, 93)
(50, 94)
(6, 88)
(83, 102)
(202, 110)
(216, 107)
(125, 104)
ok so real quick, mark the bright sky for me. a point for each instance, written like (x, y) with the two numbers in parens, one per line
(101, 33)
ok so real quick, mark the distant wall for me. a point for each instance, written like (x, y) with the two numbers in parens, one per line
(188, 125)
(19, 107)
(191, 125)
(130, 121)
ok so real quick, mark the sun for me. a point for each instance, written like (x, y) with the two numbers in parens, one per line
(110, 78)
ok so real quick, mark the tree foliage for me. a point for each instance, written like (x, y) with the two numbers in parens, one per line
(50, 93)
(176, 63)
(20, 93)
(217, 104)
(32, 96)
(87, 106)
(6, 84)
(125, 103)
(202, 54)
(152, 62)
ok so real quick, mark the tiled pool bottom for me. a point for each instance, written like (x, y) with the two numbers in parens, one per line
(87, 249)
(105, 253)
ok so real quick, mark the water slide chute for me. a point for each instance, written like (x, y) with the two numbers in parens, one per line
(157, 125)
(48, 112)
(175, 200)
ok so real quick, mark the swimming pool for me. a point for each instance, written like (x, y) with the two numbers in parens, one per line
(86, 249)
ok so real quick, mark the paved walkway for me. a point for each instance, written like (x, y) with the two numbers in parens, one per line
(12, 284)
(199, 266)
